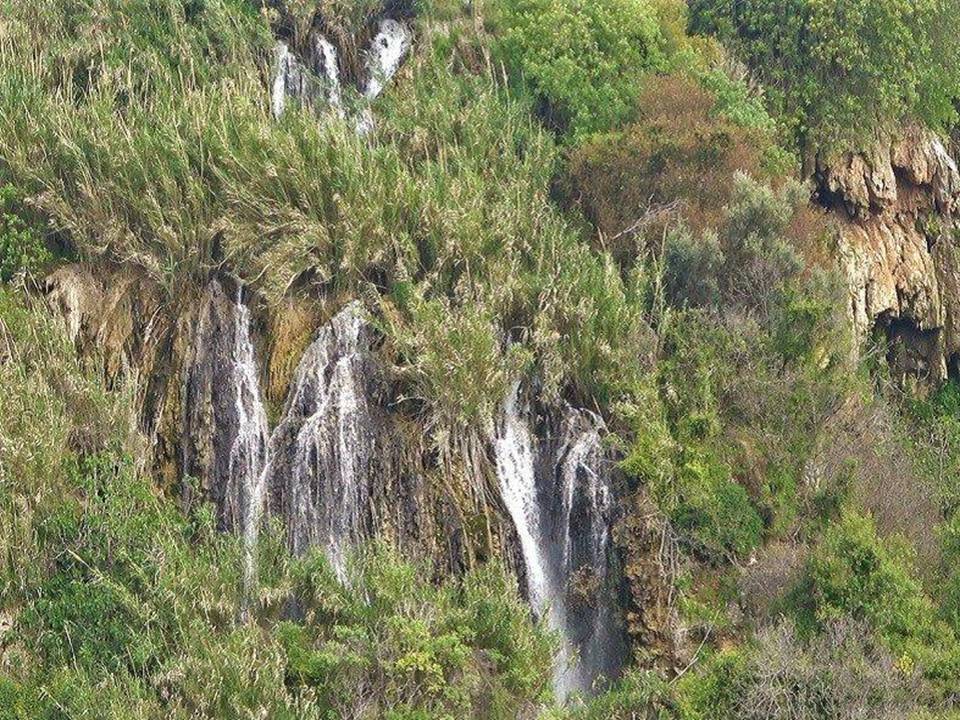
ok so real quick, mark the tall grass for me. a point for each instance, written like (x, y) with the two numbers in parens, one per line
(164, 155)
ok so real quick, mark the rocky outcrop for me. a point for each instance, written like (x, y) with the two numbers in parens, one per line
(120, 317)
(650, 557)
(897, 248)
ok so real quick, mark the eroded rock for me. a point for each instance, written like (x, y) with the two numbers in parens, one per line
(897, 248)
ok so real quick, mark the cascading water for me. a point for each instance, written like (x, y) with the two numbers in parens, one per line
(324, 465)
(558, 494)
(226, 431)
(325, 62)
(324, 452)
(515, 451)
(581, 513)
(313, 82)
(316, 80)
(390, 45)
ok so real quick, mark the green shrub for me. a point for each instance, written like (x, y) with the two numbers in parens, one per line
(463, 649)
(692, 268)
(715, 511)
(712, 692)
(853, 574)
(838, 71)
(638, 695)
(583, 58)
(22, 247)
(676, 160)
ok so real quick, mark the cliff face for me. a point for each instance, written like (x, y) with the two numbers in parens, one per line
(897, 249)
(340, 463)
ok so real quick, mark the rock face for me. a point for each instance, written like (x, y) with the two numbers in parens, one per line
(343, 465)
(897, 248)
(120, 315)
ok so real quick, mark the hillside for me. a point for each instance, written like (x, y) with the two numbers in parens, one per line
(479, 359)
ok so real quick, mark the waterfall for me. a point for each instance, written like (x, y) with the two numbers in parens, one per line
(249, 453)
(225, 430)
(318, 78)
(515, 451)
(558, 494)
(325, 448)
(387, 50)
(326, 467)
(313, 82)
(389, 47)
(325, 60)
(582, 511)
(319, 464)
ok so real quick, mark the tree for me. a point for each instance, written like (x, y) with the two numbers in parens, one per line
(840, 70)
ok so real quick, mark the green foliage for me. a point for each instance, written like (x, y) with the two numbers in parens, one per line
(835, 72)
(22, 248)
(43, 386)
(714, 510)
(140, 130)
(735, 102)
(634, 697)
(854, 574)
(751, 367)
(450, 204)
(585, 59)
(714, 690)
(420, 650)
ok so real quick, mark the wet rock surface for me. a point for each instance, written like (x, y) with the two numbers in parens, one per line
(225, 431)
(556, 481)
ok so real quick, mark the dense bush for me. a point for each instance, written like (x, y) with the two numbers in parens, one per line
(394, 645)
(674, 161)
(852, 573)
(22, 248)
(835, 72)
(583, 59)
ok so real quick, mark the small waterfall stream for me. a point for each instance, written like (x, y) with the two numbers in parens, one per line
(319, 463)
(558, 494)
(226, 430)
(316, 80)
(248, 457)
(324, 449)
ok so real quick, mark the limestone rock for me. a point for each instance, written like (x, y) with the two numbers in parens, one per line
(897, 248)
